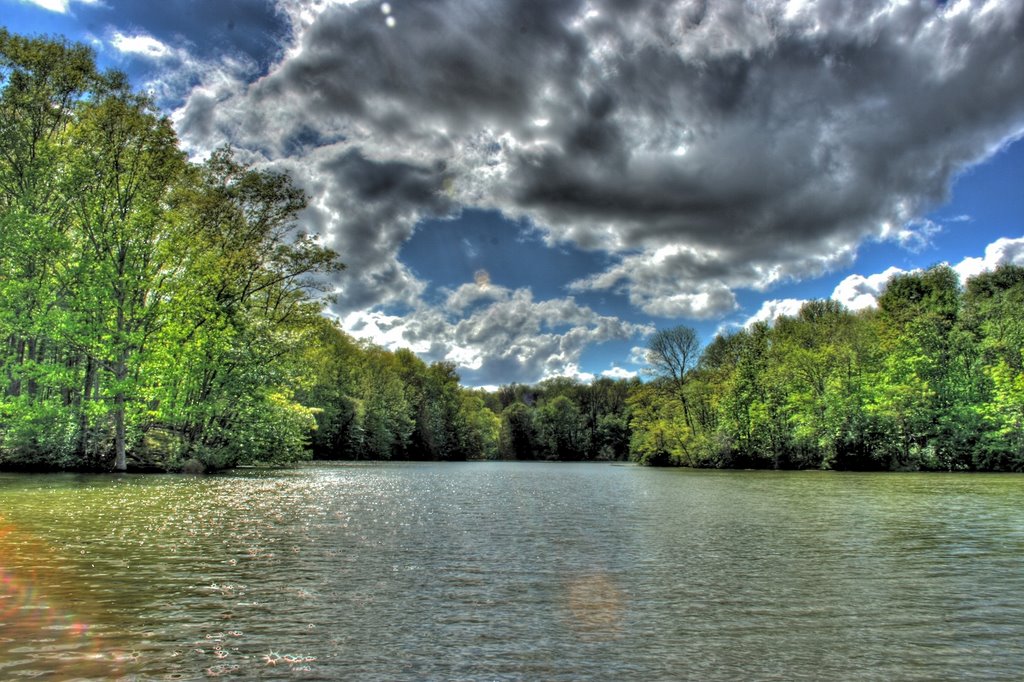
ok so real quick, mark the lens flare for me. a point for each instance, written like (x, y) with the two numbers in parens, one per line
(596, 604)
(33, 617)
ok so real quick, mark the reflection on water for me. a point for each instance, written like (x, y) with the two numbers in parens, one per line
(512, 571)
(595, 604)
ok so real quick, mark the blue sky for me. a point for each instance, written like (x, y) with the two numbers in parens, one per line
(530, 188)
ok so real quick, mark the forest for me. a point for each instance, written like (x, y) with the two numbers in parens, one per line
(931, 379)
(162, 314)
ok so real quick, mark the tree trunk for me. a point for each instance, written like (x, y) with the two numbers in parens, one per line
(32, 387)
(120, 457)
(83, 415)
(120, 375)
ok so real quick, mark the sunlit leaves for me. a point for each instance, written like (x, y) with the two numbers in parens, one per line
(931, 380)
(140, 293)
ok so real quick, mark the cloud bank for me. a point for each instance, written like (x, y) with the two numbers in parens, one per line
(496, 335)
(704, 147)
(723, 145)
(858, 292)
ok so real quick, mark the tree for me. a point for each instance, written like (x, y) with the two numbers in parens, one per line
(813, 358)
(561, 430)
(42, 82)
(672, 354)
(659, 433)
(247, 301)
(125, 163)
(993, 316)
(482, 428)
(518, 434)
(140, 293)
(923, 387)
(441, 413)
(387, 425)
(333, 359)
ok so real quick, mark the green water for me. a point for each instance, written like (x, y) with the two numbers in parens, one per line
(492, 571)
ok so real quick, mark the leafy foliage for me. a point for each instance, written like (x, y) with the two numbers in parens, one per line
(164, 314)
(152, 310)
(931, 380)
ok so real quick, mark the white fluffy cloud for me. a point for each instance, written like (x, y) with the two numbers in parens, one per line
(638, 356)
(652, 283)
(775, 308)
(60, 6)
(500, 336)
(915, 235)
(468, 295)
(997, 253)
(140, 44)
(619, 373)
(174, 71)
(857, 292)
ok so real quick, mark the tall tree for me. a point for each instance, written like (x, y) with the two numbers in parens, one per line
(922, 387)
(994, 317)
(561, 430)
(42, 83)
(124, 166)
(672, 354)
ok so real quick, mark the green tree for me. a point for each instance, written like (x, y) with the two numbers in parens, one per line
(660, 435)
(518, 434)
(247, 303)
(561, 430)
(124, 167)
(482, 428)
(42, 82)
(332, 358)
(140, 294)
(387, 424)
(993, 316)
(814, 358)
(754, 407)
(922, 391)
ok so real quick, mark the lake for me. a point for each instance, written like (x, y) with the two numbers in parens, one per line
(493, 571)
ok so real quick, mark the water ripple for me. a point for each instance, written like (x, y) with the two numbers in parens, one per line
(493, 571)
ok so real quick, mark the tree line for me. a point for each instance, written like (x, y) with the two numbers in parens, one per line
(931, 379)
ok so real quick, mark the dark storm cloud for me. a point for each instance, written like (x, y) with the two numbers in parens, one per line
(796, 143)
(374, 216)
(444, 63)
(797, 135)
(709, 146)
(198, 117)
(391, 182)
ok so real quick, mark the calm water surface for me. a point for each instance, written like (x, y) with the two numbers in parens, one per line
(491, 571)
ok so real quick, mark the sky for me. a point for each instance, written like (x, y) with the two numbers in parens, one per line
(531, 188)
